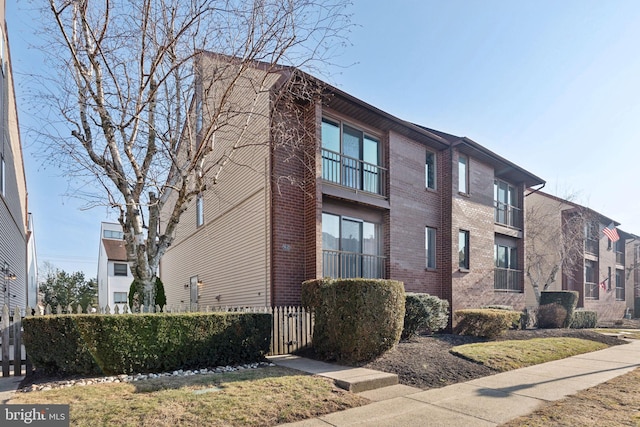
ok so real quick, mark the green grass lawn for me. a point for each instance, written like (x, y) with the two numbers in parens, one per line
(514, 354)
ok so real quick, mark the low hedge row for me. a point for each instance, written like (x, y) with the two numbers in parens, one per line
(583, 319)
(130, 343)
(486, 323)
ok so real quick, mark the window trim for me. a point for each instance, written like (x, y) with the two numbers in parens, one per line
(465, 179)
(430, 251)
(464, 264)
(199, 210)
(434, 170)
(119, 274)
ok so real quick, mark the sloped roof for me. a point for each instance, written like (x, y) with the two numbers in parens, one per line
(115, 249)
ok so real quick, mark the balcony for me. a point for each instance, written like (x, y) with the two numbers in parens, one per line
(507, 280)
(353, 173)
(340, 264)
(508, 215)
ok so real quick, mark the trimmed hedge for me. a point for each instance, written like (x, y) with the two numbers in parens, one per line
(356, 320)
(136, 343)
(551, 316)
(486, 323)
(567, 299)
(583, 319)
(424, 312)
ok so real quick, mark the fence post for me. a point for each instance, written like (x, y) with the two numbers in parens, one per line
(5, 341)
(17, 342)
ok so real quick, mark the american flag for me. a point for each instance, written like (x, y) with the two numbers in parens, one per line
(611, 233)
(603, 284)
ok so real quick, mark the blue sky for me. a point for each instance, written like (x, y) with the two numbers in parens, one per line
(552, 86)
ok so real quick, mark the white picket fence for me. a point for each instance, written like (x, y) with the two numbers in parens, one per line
(291, 328)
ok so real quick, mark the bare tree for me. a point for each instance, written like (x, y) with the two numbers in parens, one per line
(128, 90)
(556, 234)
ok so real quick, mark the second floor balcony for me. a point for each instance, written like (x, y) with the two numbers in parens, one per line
(353, 173)
(508, 280)
(507, 214)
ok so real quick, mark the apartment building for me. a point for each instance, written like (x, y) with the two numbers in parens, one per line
(588, 252)
(114, 276)
(14, 234)
(373, 196)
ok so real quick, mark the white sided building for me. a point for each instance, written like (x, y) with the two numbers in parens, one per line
(114, 276)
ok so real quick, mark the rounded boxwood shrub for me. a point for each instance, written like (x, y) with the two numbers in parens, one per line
(356, 320)
(424, 312)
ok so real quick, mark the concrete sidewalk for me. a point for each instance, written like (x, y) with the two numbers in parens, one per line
(487, 401)
(8, 386)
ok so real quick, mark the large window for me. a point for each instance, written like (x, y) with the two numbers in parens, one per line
(507, 277)
(120, 269)
(620, 285)
(430, 246)
(505, 200)
(463, 174)
(463, 249)
(350, 157)
(350, 247)
(430, 170)
(591, 236)
(591, 286)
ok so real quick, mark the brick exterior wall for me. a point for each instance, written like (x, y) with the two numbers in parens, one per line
(413, 207)
(474, 212)
(294, 207)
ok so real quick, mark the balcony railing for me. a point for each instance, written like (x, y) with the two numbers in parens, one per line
(339, 264)
(591, 290)
(591, 246)
(353, 173)
(508, 280)
(507, 214)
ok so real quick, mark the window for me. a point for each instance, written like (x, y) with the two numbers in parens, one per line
(463, 249)
(507, 277)
(591, 235)
(463, 174)
(591, 287)
(430, 246)
(430, 171)
(350, 247)
(120, 298)
(120, 269)
(112, 234)
(199, 210)
(505, 200)
(620, 285)
(350, 157)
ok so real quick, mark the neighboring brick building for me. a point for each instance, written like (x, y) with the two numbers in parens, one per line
(602, 271)
(375, 196)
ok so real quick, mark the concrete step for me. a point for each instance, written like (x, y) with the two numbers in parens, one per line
(355, 380)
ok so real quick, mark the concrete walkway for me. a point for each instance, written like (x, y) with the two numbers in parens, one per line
(487, 401)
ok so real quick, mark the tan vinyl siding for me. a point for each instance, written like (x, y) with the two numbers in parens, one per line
(229, 253)
(229, 256)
